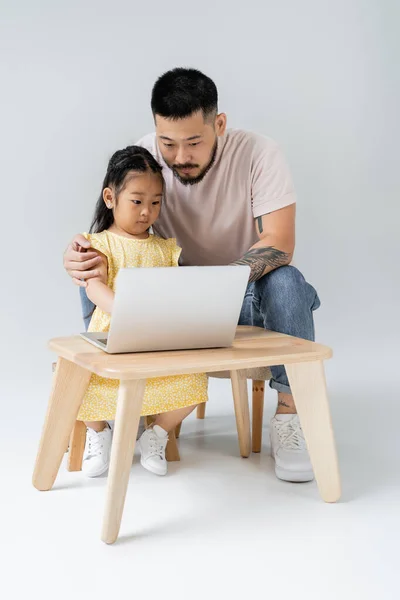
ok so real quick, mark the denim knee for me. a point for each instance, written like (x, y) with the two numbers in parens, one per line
(285, 302)
(282, 283)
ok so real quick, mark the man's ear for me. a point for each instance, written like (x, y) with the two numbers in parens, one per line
(220, 124)
(108, 197)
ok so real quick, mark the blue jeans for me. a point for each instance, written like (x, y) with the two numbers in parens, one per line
(87, 307)
(281, 301)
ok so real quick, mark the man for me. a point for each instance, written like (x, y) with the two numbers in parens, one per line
(229, 199)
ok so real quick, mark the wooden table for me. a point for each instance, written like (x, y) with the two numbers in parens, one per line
(253, 347)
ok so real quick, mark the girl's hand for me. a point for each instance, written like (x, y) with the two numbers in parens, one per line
(82, 262)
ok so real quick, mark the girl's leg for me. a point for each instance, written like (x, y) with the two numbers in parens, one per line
(169, 420)
(96, 425)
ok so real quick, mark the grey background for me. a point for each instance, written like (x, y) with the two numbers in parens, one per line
(320, 77)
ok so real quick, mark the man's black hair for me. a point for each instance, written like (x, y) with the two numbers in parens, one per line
(182, 92)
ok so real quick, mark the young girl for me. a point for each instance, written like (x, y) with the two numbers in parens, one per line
(128, 205)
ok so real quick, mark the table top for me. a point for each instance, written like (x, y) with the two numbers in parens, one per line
(252, 347)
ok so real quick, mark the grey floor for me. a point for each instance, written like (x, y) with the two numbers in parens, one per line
(217, 526)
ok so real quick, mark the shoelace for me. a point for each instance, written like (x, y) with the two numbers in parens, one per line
(95, 443)
(157, 445)
(290, 434)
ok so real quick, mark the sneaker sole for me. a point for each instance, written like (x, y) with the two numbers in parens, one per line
(96, 473)
(290, 476)
(151, 470)
(293, 476)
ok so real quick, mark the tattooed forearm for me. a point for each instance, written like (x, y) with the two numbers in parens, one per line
(260, 259)
(283, 403)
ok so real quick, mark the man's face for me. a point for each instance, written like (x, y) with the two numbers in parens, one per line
(188, 145)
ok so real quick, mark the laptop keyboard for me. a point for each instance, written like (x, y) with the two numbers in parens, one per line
(104, 342)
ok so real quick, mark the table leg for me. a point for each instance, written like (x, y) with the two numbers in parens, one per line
(257, 415)
(241, 403)
(69, 386)
(201, 410)
(172, 450)
(307, 382)
(178, 430)
(129, 405)
(77, 443)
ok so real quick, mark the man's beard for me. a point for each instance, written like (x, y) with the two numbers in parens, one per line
(200, 177)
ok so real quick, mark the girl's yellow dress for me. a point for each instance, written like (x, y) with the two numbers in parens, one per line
(164, 393)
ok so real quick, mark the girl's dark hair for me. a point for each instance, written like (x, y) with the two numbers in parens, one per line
(131, 158)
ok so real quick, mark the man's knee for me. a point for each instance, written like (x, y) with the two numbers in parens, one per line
(281, 283)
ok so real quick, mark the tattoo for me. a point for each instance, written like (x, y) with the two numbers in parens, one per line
(283, 403)
(260, 225)
(260, 259)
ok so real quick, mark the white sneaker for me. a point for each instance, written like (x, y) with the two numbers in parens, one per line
(289, 450)
(96, 459)
(152, 444)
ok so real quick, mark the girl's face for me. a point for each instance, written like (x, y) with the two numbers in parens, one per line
(137, 205)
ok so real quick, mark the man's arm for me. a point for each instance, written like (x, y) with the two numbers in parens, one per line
(276, 231)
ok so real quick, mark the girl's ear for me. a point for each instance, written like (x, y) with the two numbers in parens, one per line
(108, 197)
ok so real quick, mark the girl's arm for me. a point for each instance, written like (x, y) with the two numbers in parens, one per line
(98, 291)
(100, 294)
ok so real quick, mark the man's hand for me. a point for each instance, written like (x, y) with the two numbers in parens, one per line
(82, 262)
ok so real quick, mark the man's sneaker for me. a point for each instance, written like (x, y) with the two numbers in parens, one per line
(96, 459)
(289, 450)
(152, 444)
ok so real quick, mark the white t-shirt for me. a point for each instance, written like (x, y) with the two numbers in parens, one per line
(214, 220)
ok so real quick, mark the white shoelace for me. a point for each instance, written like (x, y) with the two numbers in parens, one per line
(157, 445)
(95, 443)
(290, 434)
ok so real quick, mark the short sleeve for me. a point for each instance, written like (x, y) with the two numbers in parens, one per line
(99, 242)
(175, 252)
(271, 182)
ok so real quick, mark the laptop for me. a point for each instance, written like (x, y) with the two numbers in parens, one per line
(164, 308)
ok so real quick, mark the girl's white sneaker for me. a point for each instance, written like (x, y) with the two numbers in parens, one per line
(96, 458)
(152, 444)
